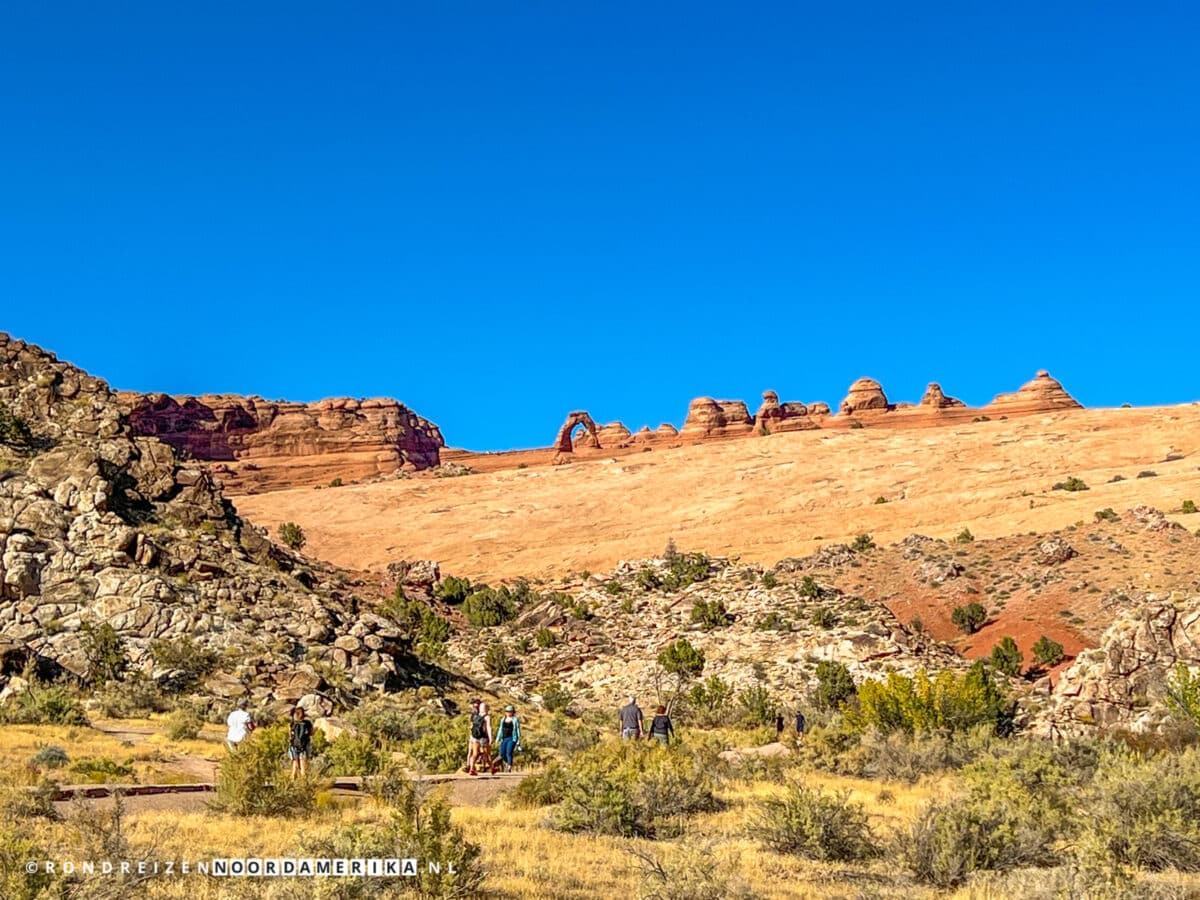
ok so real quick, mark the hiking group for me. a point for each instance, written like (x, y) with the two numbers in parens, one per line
(479, 744)
(663, 730)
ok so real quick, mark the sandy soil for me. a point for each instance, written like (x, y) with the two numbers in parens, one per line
(761, 498)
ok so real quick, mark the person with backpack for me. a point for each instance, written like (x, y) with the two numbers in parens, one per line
(661, 728)
(472, 740)
(800, 723)
(300, 743)
(631, 720)
(510, 736)
(481, 735)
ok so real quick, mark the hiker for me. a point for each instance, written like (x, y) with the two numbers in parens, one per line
(661, 728)
(631, 720)
(239, 723)
(800, 723)
(510, 736)
(473, 739)
(300, 743)
(481, 735)
(779, 726)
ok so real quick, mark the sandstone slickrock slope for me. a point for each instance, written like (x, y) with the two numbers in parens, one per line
(273, 444)
(101, 525)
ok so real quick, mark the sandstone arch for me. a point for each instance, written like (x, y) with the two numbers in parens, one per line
(563, 443)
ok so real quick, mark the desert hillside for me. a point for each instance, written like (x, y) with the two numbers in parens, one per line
(776, 496)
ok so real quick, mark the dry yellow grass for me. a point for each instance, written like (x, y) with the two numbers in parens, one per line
(760, 498)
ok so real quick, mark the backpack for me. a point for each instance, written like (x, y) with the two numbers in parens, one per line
(478, 728)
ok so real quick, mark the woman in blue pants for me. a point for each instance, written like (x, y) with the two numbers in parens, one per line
(510, 736)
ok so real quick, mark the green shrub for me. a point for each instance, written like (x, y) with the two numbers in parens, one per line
(1147, 473)
(1071, 484)
(354, 754)
(613, 588)
(809, 587)
(773, 621)
(880, 500)
(50, 757)
(685, 569)
(823, 617)
(855, 424)
(292, 535)
(580, 610)
(184, 724)
(184, 655)
(44, 704)
(709, 700)
(1047, 652)
(816, 825)
(633, 789)
(710, 614)
(497, 661)
(101, 769)
(627, 605)
(947, 701)
(964, 537)
(14, 432)
(253, 781)
(418, 827)
(488, 607)
(1108, 514)
(556, 698)
(567, 737)
(440, 744)
(134, 696)
(453, 590)
(835, 685)
(681, 658)
(970, 618)
(105, 652)
(1183, 695)
(336, 482)
(542, 788)
(863, 543)
(769, 579)
(647, 579)
(1188, 508)
(757, 706)
(545, 638)
(1007, 658)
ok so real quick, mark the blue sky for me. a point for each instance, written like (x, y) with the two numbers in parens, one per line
(501, 212)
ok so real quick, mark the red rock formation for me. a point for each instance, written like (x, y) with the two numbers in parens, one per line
(934, 397)
(707, 417)
(820, 408)
(1043, 394)
(575, 419)
(865, 394)
(286, 444)
(773, 417)
(666, 430)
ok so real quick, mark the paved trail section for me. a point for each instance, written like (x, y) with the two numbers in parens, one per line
(464, 790)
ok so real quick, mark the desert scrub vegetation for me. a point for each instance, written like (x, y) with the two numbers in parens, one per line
(969, 618)
(1006, 657)
(252, 781)
(1047, 652)
(862, 543)
(1108, 514)
(14, 431)
(943, 702)
(815, 824)
(427, 631)
(1072, 485)
(710, 614)
(292, 535)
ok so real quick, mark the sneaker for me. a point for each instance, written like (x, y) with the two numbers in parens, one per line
(472, 772)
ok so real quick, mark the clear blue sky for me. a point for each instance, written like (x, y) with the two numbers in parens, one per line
(499, 212)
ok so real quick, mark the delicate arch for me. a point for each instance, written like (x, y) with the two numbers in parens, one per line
(563, 443)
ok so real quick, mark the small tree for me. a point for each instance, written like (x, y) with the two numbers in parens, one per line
(679, 663)
(13, 431)
(835, 685)
(1006, 657)
(105, 652)
(454, 590)
(970, 618)
(964, 537)
(1188, 508)
(496, 660)
(809, 587)
(863, 543)
(292, 535)
(710, 614)
(1047, 652)
(1183, 694)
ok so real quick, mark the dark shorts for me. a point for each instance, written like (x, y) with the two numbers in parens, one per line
(298, 753)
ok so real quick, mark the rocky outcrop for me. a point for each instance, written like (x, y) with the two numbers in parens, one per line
(819, 408)
(866, 394)
(100, 525)
(773, 417)
(1043, 394)
(614, 434)
(935, 398)
(1122, 683)
(770, 638)
(563, 443)
(707, 418)
(288, 444)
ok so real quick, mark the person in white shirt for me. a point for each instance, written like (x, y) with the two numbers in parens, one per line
(240, 724)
